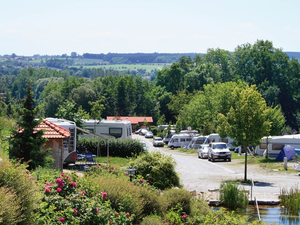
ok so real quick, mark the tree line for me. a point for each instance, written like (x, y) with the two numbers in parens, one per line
(191, 92)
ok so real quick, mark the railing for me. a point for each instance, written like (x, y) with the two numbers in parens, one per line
(255, 200)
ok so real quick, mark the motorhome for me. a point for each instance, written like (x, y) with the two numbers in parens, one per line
(168, 136)
(108, 128)
(196, 142)
(276, 143)
(69, 146)
(216, 138)
(180, 140)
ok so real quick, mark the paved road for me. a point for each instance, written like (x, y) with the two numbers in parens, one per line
(200, 175)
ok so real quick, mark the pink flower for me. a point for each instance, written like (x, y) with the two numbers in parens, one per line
(47, 190)
(60, 185)
(127, 214)
(184, 216)
(59, 180)
(215, 219)
(148, 183)
(75, 211)
(61, 220)
(84, 192)
(104, 194)
(105, 167)
(125, 173)
(96, 210)
(74, 184)
(58, 190)
(141, 180)
(62, 175)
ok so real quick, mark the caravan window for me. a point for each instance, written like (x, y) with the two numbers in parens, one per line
(116, 132)
(199, 142)
(263, 146)
(277, 147)
(175, 140)
(224, 140)
(182, 140)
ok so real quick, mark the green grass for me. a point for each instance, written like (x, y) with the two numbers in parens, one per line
(114, 161)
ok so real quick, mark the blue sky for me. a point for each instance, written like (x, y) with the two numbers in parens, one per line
(128, 26)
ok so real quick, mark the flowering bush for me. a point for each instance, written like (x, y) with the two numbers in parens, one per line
(68, 202)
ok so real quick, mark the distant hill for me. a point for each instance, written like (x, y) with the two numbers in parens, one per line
(295, 55)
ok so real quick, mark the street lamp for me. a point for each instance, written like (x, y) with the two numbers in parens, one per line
(130, 171)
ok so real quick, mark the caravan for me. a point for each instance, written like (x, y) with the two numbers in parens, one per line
(196, 142)
(180, 140)
(108, 128)
(275, 144)
(216, 138)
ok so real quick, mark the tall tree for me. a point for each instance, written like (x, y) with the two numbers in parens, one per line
(247, 120)
(27, 143)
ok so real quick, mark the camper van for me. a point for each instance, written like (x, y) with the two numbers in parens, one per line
(69, 147)
(180, 140)
(196, 142)
(108, 128)
(276, 143)
(167, 136)
(216, 138)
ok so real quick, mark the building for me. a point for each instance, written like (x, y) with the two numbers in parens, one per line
(136, 121)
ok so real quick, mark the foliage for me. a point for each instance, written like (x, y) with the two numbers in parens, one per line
(117, 147)
(246, 122)
(290, 199)
(27, 142)
(16, 182)
(152, 220)
(157, 168)
(231, 196)
(175, 198)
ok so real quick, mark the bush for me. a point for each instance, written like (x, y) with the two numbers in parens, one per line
(158, 169)
(178, 197)
(291, 199)
(152, 220)
(117, 147)
(231, 197)
(22, 187)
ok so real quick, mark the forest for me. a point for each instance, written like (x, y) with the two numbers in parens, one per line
(191, 92)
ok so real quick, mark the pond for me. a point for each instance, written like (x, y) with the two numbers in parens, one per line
(273, 214)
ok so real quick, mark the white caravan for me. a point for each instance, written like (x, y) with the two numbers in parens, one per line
(216, 138)
(276, 143)
(108, 128)
(69, 147)
(180, 140)
(167, 136)
(196, 142)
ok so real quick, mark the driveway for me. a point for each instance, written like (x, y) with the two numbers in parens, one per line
(203, 176)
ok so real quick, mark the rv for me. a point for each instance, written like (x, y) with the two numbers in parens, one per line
(216, 138)
(196, 142)
(108, 128)
(69, 147)
(276, 143)
(180, 140)
(167, 137)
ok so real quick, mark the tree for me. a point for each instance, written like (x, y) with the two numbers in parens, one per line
(27, 143)
(247, 120)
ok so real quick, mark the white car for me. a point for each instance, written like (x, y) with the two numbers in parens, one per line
(218, 150)
(157, 141)
(203, 151)
(149, 134)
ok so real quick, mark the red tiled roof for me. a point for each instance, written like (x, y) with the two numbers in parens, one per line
(52, 131)
(132, 119)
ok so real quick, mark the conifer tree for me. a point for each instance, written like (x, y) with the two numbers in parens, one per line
(27, 143)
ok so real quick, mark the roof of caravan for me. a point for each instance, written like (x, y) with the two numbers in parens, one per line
(104, 121)
(132, 119)
(60, 121)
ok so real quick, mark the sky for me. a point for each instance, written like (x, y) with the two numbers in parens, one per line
(145, 26)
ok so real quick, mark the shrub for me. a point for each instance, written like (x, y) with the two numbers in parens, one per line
(10, 206)
(291, 199)
(19, 181)
(178, 197)
(231, 196)
(117, 147)
(158, 169)
(152, 220)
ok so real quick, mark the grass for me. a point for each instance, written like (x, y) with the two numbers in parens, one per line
(114, 161)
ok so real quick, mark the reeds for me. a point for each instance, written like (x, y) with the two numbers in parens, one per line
(291, 199)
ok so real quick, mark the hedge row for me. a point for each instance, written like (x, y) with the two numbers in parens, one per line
(117, 147)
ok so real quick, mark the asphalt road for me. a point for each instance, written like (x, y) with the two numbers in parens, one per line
(201, 175)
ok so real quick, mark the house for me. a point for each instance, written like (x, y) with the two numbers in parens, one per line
(136, 121)
(57, 139)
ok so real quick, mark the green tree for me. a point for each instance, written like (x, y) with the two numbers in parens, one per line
(27, 143)
(247, 120)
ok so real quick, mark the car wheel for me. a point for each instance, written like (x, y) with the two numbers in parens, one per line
(172, 147)
(229, 160)
(199, 156)
(212, 158)
(208, 158)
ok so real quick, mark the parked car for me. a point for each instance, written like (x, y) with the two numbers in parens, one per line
(137, 131)
(157, 141)
(203, 151)
(218, 150)
(149, 134)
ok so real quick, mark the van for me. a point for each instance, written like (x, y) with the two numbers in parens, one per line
(167, 137)
(179, 140)
(216, 138)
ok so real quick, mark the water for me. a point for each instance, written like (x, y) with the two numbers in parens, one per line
(273, 214)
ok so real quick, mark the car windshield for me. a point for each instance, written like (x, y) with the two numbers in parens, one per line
(158, 139)
(219, 146)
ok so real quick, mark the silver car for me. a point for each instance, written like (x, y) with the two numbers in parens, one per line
(157, 141)
(149, 134)
(203, 151)
(218, 150)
